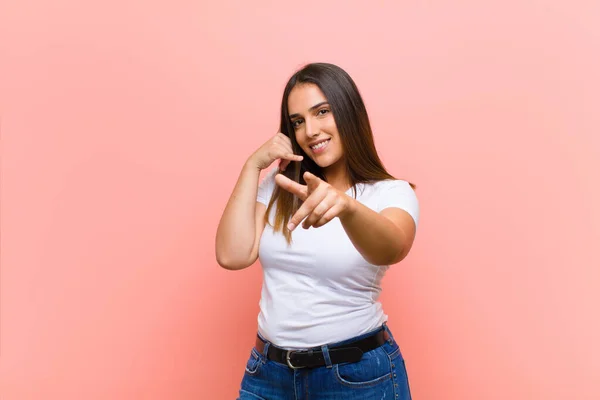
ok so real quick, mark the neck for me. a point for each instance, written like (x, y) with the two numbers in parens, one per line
(337, 176)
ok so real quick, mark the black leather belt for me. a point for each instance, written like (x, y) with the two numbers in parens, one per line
(311, 358)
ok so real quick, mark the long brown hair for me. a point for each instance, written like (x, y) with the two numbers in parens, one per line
(362, 162)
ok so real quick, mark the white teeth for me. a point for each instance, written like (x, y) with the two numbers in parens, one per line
(320, 145)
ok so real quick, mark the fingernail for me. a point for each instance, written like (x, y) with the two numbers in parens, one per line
(291, 226)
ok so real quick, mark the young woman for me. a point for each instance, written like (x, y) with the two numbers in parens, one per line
(326, 222)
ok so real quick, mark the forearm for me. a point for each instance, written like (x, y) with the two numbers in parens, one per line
(375, 237)
(235, 234)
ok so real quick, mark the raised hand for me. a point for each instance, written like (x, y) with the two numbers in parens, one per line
(277, 147)
(322, 202)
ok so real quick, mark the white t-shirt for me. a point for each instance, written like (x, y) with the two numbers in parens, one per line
(320, 289)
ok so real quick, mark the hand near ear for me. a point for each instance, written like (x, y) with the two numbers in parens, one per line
(277, 147)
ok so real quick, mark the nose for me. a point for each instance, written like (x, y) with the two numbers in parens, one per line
(312, 128)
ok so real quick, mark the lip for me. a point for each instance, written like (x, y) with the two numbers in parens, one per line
(318, 141)
(321, 149)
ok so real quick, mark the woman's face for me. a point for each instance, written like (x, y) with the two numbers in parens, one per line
(314, 125)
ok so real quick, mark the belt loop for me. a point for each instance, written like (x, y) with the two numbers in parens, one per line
(325, 350)
(385, 327)
(266, 349)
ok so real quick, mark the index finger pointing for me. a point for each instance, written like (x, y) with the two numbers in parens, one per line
(291, 186)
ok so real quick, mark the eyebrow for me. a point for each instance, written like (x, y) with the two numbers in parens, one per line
(311, 109)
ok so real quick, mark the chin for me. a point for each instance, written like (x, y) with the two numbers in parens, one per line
(323, 162)
(326, 163)
(320, 162)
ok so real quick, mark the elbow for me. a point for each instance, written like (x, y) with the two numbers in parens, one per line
(383, 259)
(399, 256)
(231, 264)
(227, 264)
(227, 259)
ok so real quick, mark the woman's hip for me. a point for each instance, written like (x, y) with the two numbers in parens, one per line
(363, 367)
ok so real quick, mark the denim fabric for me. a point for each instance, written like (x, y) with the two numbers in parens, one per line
(380, 374)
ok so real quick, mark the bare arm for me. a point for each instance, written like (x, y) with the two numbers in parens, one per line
(382, 238)
(242, 222)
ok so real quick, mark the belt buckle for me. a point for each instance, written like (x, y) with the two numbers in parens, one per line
(289, 362)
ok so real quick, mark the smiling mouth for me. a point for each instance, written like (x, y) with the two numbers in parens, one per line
(320, 146)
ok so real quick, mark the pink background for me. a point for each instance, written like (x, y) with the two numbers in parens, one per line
(124, 126)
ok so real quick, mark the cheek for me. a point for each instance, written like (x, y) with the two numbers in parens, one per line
(332, 128)
(301, 137)
(338, 143)
(335, 136)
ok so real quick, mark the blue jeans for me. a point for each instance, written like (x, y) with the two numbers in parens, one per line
(380, 374)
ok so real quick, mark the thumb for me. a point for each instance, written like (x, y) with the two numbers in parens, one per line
(309, 177)
(312, 181)
(283, 164)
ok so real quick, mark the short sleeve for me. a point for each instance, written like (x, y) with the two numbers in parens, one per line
(398, 193)
(266, 187)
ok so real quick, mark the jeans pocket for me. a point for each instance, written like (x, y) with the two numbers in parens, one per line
(372, 369)
(254, 362)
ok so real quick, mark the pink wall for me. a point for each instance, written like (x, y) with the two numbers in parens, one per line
(124, 125)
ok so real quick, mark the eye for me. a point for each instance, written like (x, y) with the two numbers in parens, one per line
(296, 123)
(322, 111)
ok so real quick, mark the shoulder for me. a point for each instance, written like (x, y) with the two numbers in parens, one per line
(397, 193)
(267, 186)
(271, 173)
(393, 188)
(268, 178)
(398, 184)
